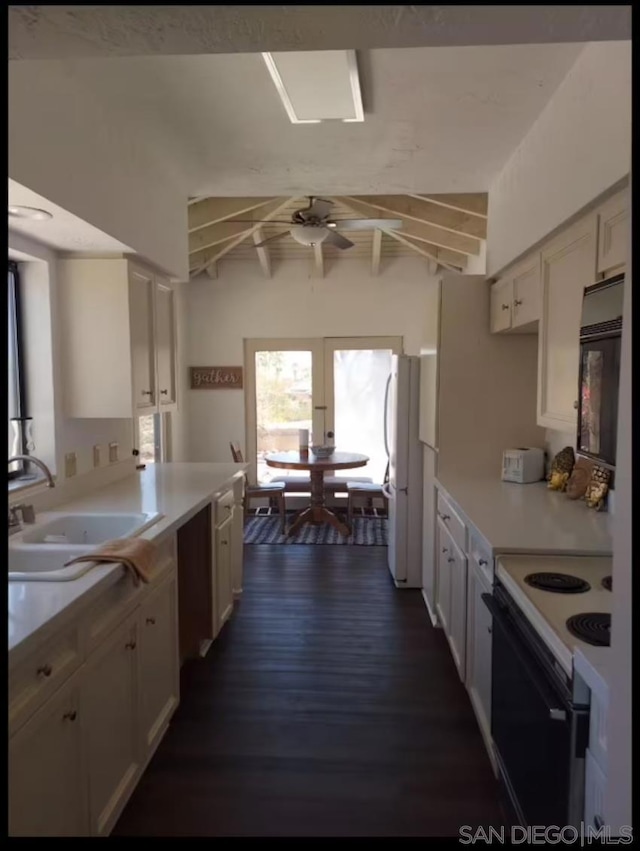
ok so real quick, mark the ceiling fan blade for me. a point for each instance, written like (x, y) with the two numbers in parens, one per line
(367, 224)
(256, 222)
(272, 238)
(319, 208)
(334, 238)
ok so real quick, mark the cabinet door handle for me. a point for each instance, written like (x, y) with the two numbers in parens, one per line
(445, 550)
(130, 645)
(598, 821)
(517, 302)
(575, 405)
(224, 543)
(164, 392)
(151, 621)
(483, 562)
(70, 716)
(450, 559)
(147, 392)
(505, 307)
(489, 630)
(45, 671)
(445, 517)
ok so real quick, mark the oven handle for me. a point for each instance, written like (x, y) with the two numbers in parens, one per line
(558, 709)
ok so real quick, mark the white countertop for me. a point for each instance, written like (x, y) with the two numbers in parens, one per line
(178, 491)
(529, 518)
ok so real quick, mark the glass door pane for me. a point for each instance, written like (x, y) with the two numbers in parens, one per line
(283, 381)
(357, 370)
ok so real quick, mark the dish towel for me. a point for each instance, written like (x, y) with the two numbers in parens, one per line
(136, 554)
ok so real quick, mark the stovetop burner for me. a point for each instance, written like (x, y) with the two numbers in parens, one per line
(606, 583)
(592, 627)
(562, 583)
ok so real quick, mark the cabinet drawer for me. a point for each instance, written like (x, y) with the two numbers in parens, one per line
(452, 521)
(224, 507)
(594, 788)
(480, 554)
(36, 678)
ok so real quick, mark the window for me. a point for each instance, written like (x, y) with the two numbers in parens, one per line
(17, 399)
(152, 438)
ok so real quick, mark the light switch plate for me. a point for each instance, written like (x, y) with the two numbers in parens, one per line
(96, 455)
(70, 465)
(113, 452)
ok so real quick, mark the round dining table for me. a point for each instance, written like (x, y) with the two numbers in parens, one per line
(317, 511)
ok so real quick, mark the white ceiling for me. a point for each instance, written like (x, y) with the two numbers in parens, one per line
(437, 120)
(64, 231)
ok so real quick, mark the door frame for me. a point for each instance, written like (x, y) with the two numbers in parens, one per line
(322, 395)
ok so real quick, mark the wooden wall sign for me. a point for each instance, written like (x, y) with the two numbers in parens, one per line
(215, 377)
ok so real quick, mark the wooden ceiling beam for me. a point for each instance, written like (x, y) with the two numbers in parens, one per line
(375, 252)
(263, 253)
(436, 236)
(470, 204)
(219, 253)
(428, 254)
(209, 211)
(408, 209)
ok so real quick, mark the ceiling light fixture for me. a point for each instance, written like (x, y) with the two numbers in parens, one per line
(20, 212)
(309, 235)
(317, 85)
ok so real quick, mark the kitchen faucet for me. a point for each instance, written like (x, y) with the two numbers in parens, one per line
(27, 511)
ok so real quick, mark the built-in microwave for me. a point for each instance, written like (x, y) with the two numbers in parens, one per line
(599, 371)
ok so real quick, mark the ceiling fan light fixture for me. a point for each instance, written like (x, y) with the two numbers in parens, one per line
(309, 235)
(18, 211)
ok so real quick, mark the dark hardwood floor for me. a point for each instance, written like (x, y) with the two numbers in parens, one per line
(328, 706)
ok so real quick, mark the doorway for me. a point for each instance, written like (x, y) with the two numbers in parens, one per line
(324, 384)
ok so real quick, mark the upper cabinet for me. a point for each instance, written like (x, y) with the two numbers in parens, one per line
(118, 339)
(568, 265)
(613, 228)
(515, 298)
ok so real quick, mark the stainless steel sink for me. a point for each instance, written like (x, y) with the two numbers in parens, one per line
(40, 553)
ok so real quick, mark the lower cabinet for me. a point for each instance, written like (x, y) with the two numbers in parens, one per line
(224, 562)
(479, 625)
(47, 780)
(109, 699)
(595, 784)
(158, 662)
(451, 601)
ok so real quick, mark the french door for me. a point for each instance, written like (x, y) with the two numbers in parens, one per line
(330, 384)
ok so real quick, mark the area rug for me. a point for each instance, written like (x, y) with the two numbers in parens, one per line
(366, 532)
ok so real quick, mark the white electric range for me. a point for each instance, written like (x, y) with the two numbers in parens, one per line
(549, 610)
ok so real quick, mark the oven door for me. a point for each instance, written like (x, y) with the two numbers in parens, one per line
(531, 726)
(598, 398)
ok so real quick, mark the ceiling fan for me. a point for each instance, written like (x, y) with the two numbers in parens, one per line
(313, 225)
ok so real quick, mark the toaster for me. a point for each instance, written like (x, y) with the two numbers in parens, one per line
(522, 465)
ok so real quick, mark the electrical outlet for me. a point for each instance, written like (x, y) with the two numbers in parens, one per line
(96, 455)
(113, 452)
(70, 464)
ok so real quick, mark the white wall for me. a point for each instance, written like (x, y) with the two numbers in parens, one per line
(84, 157)
(578, 147)
(54, 433)
(242, 303)
(617, 803)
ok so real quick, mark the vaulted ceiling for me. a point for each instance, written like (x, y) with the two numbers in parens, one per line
(447, 231)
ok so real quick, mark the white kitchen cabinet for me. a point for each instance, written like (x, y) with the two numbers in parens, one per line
(478, 670)
(118, 340)
(429, 552)
(457, 562)
(568, 266)
(165, 344)
(613, 233)
(515, 298)
(47, 783)
(141, 286)
(223, 568)
(444, 547)
(595, 785)
(158, 662)
(110, 705)
(501, 304)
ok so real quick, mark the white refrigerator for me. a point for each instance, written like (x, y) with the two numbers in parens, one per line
(404, 489)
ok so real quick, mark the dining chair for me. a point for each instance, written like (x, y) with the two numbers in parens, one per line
(271, 490)
(366, 490)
